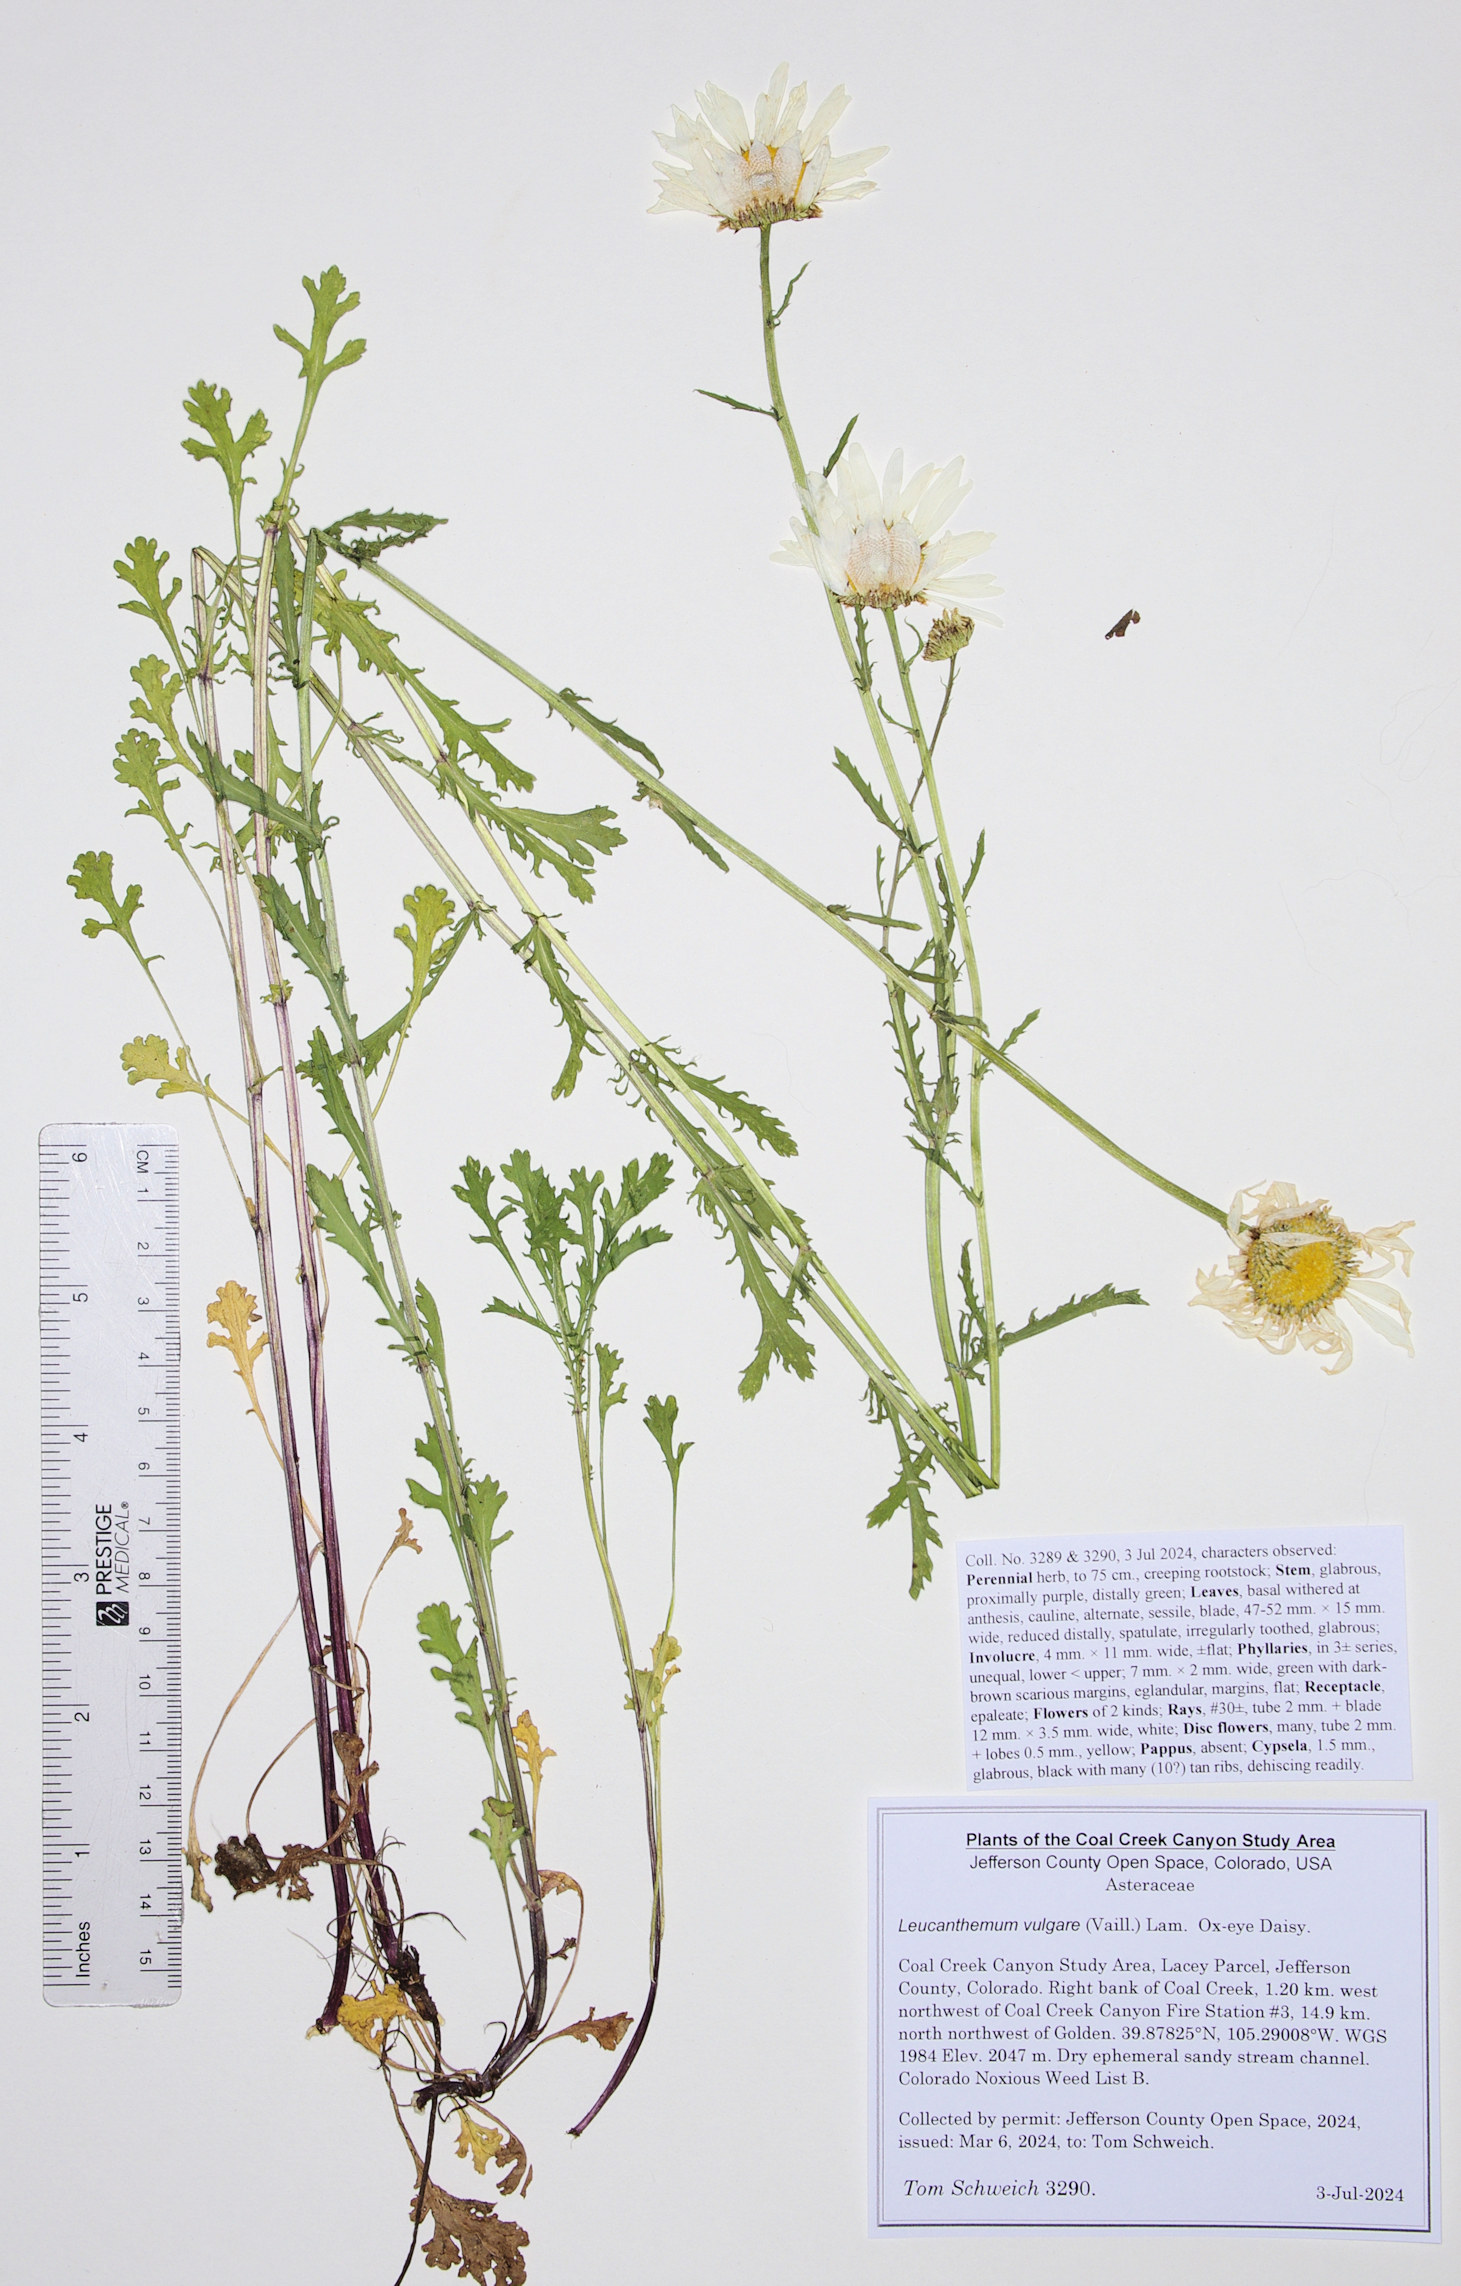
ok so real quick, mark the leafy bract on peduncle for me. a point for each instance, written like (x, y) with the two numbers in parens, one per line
(378, 530)
(351, 619)
(736, 1206)
(909, 1489)
(537, 952)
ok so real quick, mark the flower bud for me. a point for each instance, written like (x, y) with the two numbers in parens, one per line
(948, 635)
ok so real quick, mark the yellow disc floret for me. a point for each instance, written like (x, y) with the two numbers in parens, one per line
(1299, 1266)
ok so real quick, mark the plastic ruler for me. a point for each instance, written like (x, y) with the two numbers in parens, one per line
(111, 1556)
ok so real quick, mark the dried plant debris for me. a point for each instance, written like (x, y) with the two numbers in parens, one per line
(244, 1865)
(607, 2030)
(247, 1867)
(472, 2235)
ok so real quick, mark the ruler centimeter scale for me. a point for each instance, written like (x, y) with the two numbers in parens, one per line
(112, 1784)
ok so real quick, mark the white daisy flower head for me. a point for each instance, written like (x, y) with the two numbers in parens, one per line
(745, 173)
(880, 544)
(1296, 1264)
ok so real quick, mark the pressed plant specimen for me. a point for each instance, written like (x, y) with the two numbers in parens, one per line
(276, 673)
(249, 826)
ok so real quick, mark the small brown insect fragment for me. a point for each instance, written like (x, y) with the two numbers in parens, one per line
(1127, 619)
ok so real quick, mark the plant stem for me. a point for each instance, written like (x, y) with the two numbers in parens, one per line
(259, 1216)
(648, 1761)
(855, 655)
(660, 789)
(863, 1343)
(475, 1570)
(806, 1266)
(954, 885)
(356, 1800)
(1042, 1094)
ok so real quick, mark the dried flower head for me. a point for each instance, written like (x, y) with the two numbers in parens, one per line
(948, 635)
(769, 169)
(879, 545)
(1295, 1264)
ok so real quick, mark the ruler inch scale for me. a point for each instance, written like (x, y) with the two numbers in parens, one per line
(111, 1530)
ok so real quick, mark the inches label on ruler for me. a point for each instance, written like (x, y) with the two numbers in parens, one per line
(111, 1527)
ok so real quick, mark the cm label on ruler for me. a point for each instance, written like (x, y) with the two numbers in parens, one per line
(111, 1534)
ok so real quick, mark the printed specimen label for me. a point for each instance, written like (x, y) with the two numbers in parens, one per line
(1216, 1654)
(1132, 2015)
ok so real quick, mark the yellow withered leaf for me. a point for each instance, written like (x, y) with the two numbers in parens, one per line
(532, 1754)
(373, 2008)
(234, 1313)
(531, 1751)
(478, 2143)
(150, 1058)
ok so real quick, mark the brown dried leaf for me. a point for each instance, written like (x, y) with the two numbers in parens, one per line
(607, 2030)
(235, 1311)
(551, 1883)
(289, 1872)
(373, 2008)
(405, 1536)
(471, 2233)
(350, 1749)
(513, 2160)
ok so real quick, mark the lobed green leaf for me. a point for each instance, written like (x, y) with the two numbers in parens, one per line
(392, 528)
(738, 1108)
(140, 566)
(536, 948)
(91, 879)
(661, 1416)
(150, 1058)
(439, 1629)
(208, 409)
(724, 1192)
(329, 303)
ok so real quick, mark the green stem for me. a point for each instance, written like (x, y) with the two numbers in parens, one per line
(871, 1356)
(475, 1568)
(650, 784)
(854, 652)
(954, 883)
(632, 1061)
(881, 1366)
(1103, 1142)
(646, 1727)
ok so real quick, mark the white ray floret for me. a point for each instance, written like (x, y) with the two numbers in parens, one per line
(745, 173)
(880, 544)
(1296, 1264)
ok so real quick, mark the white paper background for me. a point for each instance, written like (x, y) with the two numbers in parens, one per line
(1179, 282)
